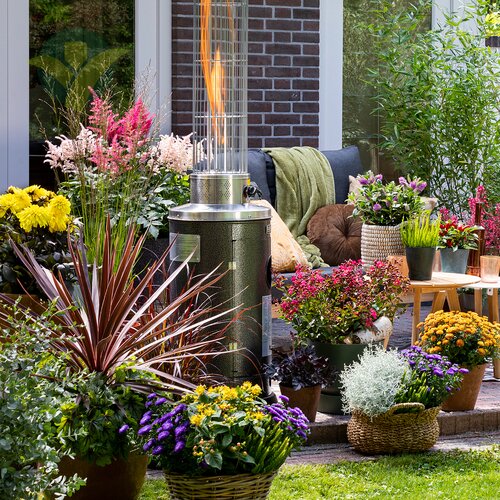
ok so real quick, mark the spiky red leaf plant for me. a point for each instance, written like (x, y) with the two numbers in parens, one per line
(114, 323)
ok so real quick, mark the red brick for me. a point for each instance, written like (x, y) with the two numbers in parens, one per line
(283, 48)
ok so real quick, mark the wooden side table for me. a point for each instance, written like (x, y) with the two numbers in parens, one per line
(444, 287)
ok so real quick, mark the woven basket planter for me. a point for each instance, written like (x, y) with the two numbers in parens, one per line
(235, 487)
(378, 242)
(394, 433)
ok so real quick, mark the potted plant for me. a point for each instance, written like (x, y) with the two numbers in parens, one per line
(455, 241)
(382, 208)
(27, 404)
(334, 311)
(221, 441)
(116, 347)
(467, 339)
(436, 94)
(38, 219)
(395, 398)
(301, 375)
(420, 236)
(116, 167)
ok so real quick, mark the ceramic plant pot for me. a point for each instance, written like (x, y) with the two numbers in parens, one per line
(454, 261)
(420, 261)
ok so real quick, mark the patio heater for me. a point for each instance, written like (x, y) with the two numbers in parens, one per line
(219, 225)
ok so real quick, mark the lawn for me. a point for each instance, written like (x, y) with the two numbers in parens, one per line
(451, 475)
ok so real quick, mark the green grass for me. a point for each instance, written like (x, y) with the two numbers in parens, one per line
(453, 475)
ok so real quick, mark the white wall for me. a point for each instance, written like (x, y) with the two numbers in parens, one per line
(14, 102)
(330, 74)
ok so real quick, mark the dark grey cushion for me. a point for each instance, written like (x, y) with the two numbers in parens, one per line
(257, 171)
(344, 162)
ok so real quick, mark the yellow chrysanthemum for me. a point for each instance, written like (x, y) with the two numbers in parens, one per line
(37, 193)
(19, 201)
(33, 216)
(59, 205)
(196, 420)
(58, 223)
(6, 201)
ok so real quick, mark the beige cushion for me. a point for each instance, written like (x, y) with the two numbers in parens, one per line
(354, 187)
(285, 251)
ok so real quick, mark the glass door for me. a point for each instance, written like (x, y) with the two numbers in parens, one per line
(75, 46)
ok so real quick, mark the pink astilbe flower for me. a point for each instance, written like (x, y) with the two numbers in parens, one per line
(490, 219)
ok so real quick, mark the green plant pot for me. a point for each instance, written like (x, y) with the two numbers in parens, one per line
(420, 261)
(454, 261)
(339, 356)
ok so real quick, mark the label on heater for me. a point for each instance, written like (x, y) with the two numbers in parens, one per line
(183, 245)
(267, 323)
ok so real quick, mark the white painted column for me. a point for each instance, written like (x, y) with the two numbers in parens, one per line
(330, 74)
(14, 93)
(153, 56)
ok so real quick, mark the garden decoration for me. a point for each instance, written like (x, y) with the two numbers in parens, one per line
(117, 346)
(38, 219)
(334, 310)
(420, 236)
(382, 208)
(436, 92)
(467, 339)
(395, 398)
(301, 375)
(221, 442)
(455, 241)
(114, 167)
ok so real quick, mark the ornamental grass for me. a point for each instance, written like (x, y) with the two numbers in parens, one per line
(464, 337)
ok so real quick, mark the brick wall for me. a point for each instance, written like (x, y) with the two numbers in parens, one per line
(283, 72)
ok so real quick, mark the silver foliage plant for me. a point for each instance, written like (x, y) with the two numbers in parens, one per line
(371, 384)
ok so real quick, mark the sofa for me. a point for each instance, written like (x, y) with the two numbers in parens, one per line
(331, 228)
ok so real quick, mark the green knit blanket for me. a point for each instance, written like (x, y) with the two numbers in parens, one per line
(304, 183)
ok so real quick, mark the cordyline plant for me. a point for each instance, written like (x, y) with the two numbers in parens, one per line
(107, 328)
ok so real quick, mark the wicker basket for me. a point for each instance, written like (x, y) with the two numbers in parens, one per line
(394, 432)
(378, 242)
(235, 487)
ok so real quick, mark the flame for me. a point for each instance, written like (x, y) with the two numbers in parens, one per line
(213, 72)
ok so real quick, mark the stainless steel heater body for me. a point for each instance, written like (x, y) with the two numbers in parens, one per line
(219, 226)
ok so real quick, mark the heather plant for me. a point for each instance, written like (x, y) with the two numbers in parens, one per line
(490, 219)
(221, 430)
(387, 204)
(331, 307)
(464, 338)
(421, 231)
(38, 219)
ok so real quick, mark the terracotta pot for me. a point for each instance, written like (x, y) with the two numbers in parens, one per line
(496, 367)
(121, 479)
(465, 398)
(307, 399)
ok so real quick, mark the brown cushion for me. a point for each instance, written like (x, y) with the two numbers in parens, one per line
(336, 233)
(285, 251)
